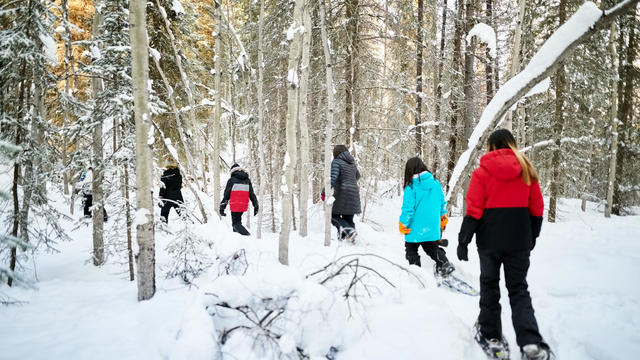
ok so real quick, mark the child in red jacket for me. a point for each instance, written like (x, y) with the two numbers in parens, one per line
(237, 194)
(504, 211)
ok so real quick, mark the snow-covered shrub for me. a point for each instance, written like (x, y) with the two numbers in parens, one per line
(187, 252)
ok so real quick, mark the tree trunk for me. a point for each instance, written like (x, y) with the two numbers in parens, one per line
(614, 123)
(97, 164)
(558, 126)
(304, 128)
(438, 116)
(418, 114)
(261, 148)
(218, 113)
(68, 70)
(468, 70)
(515, 54)
(351, 73)
(455, 97)
(329, 126)
(144, 142)
(292, 111)
(488, 63)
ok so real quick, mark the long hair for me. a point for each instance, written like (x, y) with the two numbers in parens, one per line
(503, 139)
(339, 149)
(413, 166)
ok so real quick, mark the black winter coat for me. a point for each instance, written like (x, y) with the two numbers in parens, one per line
(172, 184)
(344, 181)
(238, 177)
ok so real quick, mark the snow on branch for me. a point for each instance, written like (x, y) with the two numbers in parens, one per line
(485, 34)
(581, 26)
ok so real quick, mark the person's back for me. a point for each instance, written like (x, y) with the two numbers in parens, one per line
(237, 194)
(170, 193)
(344, 180)
(423, 205)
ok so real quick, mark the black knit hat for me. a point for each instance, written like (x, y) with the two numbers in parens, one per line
(233, 167)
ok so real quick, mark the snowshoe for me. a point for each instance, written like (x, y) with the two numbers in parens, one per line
(348, 234)
(493, 348)
(537, 352)
(445, 269)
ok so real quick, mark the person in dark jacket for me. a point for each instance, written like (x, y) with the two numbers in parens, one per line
(344, 182)
(170, 192)
(504, 211)
(423, 216)
(85, 185)
(237, 194)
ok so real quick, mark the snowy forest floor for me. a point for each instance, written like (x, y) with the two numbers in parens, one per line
(581, 281)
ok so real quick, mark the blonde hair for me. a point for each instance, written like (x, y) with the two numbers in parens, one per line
(503, 139)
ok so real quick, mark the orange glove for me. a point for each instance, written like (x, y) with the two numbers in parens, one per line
(444, 220)
(403, 229)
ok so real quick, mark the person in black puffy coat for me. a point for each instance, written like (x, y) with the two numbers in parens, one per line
(344, 182)
(237, 194)
(170, 192)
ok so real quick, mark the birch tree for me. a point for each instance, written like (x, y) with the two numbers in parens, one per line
(302, 120)
(614, 123)
(329, 125)
(261, 148)
(294, 36)
(144, 142)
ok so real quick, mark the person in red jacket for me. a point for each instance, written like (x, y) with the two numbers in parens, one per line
(504, 211)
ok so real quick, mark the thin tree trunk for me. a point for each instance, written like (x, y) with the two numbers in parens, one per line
(614, 123)
(488, 63)
(218, 112)
(97, 164)
(455, 97)
(515, 54)
(469, 71)
(144, 142)
(558, 126)
(68, 70)
(438, 116)
(304, 128)
(261, 148)
(418, 114)
(351, 72)
(329, 126)
(292, 111)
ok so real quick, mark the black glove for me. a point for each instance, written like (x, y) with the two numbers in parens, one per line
(468, 228)
(536, 225)
(255, 211)
(463, 253)
(222, 212)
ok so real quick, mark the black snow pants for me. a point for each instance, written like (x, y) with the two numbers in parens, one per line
(430, 247)
(166, 208)
(341, 222)
(236, 222)
(88, 203)
(516, 265)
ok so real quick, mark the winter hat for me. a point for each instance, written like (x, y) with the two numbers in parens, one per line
(233, 167)
(170, 162)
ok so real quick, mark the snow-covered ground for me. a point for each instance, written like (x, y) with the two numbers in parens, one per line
(582, 281)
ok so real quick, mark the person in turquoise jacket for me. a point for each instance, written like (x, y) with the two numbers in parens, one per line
(423, 216)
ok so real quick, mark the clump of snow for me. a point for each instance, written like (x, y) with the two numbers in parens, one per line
(292, 30)
(142, 217)
(155, 53)
(292, 77)
(50, 48)
(176, 6)
(487, 35)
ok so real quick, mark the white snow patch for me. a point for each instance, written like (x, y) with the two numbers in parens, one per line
(142, 217)
(155, 53)
(50, 48)
(176, 6)
(485, 34)
(292, 77)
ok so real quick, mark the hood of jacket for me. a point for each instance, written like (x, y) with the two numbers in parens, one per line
(239, 173)
(346, 156)
(502, 164)
(424, 181)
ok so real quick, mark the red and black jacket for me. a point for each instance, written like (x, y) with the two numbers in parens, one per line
(503, 211)
(238, 192)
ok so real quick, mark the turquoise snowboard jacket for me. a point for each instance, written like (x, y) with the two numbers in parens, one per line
(422, 205)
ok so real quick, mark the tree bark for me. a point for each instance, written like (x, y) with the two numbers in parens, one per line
(97, 164)
(438, 116)
(515, 54)
(468, 70)
(488, 66)
(302, 119)
(218, 112)
(558, 126)
(351, 73)
(418, 113)
(261, 148)
(292, 111)
(144, 142)
(455, 97)
(329, 125)
(614, 123)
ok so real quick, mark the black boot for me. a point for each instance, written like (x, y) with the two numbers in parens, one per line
(414, 259)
